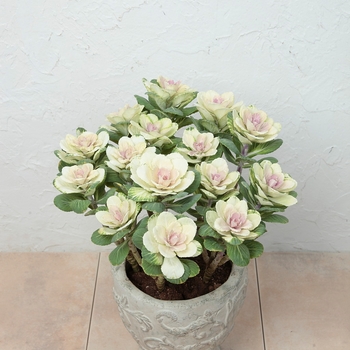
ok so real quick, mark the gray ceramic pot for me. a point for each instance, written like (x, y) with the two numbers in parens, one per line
(201, 323)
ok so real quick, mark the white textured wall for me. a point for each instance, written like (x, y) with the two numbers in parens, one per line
(65, 64)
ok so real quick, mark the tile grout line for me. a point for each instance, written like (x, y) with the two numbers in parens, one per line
(93, 301)
(260, 306)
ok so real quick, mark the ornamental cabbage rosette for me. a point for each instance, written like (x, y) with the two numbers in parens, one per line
(168, 93)
(215, 107)
(153, 129)
(233, 220)
(126, 114)
(199, 145)
(171, 238)
(253, 125)
(127, 149)
(83, 146)
(216, 178)
(272, 185)
(79, 179)
(120, 213)
(160, 174)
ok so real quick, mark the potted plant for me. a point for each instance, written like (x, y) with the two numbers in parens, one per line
(167, 182)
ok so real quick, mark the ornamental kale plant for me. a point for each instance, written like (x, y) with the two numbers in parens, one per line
(163, 199)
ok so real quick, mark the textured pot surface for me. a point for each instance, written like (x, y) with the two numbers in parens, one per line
(201, 323)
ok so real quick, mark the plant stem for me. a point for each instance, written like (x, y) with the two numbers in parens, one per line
(205, 256)
(212, 267)
(160, 283)
(135, 252)
(131, 260)
(244, 152)
(224, 260)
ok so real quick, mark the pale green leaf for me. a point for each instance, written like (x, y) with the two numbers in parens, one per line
(80, 206)
(255, 248)
(238, 254)
(213, 245)
(207, 231)
(265, 148)
(141, 229)
(192, 265)
(119, 254)
(150, 269)
(276, 218)
(139, 194)
(101, 239)
(155, 207)
(152, 258)
(184, 204)
(196, 182)
(230, 145)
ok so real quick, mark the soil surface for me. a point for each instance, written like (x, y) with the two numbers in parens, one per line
(192, 288)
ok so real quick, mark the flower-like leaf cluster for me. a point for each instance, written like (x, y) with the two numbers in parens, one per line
(166, 180)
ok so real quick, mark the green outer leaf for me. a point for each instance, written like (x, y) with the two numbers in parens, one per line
(270, 209)
(235, 241)
(174, 110)
(255, 248)
(210, 126)
(207, 231)
(245, 190)
(192, 265)
(197, 124)
(112, 176)
(159, 113)
(280, 219)
(64, 202)
(229, 156)
(144, 102)
(184, 204)
(108, 194)
(238, 254)
(152, 258)
(101, 239)
(184, 121)
(119, 254)
(293, 194)
(202, 210)
(189, 110)
(123, 128)
(196, 182)
(213, 245)
(141, 229)
(120, 234)
(155, 207)
(80, 130)
(80, 206)
(114, 136)
(265, 148)
(230, 122)
(174, 197)
(151, 270)
(261, 229)
(229, 145)
(91, 212)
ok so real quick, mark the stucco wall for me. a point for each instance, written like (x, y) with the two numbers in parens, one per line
(65, 64)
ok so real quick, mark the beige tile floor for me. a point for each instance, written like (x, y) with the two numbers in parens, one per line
(54, 301)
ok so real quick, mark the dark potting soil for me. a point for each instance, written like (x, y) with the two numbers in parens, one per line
(192, 288)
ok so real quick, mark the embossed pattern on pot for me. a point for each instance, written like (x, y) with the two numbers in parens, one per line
(201, 323)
